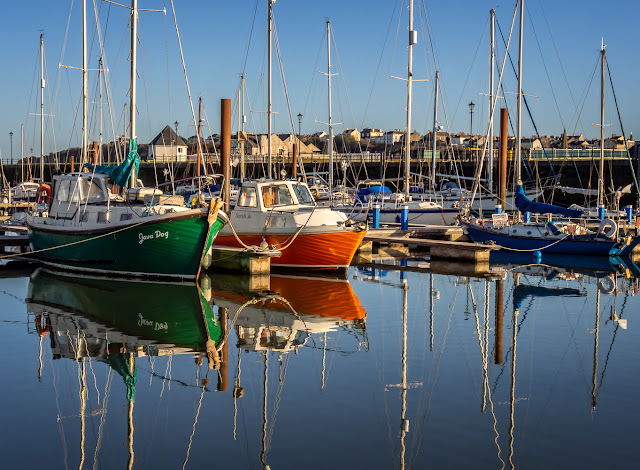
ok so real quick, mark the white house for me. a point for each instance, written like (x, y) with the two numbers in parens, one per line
(168, 147)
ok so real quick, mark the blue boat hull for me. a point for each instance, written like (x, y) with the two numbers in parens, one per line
(574, 246)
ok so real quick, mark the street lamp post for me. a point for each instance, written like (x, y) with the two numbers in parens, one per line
(175, 124)
(299, 129)
(471, 106)
(11, 139)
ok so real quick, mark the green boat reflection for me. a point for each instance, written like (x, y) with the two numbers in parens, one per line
(150, 317)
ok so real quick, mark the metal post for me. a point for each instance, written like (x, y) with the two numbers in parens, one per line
(11, 140)
(132, 105)
(504, 142)
(491, 102)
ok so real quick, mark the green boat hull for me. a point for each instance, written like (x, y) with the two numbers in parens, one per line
(167, 313)
(168, 248)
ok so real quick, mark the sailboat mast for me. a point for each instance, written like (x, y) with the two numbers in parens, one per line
(519, 126)
(601, 173)
(199, 138)
(100, 104)
(242, 119)
(330, 141)
(435, 131)
(21, 152)
(492, 58)
(42, 108)
(269, 33)
(413, 39)
(85, 83)
(132, 103)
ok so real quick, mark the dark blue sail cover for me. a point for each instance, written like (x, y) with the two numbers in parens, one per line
(373, 191)
(524, 204)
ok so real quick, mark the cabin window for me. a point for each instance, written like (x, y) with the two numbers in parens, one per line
(62, 191)
(102, 217)
(124, 217)
(92, 191)
(268, 195)
(74, 191)
(247, 197)
(302, 194)
(284, 195)
(276, 195)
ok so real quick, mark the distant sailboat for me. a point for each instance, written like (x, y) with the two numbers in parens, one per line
(562, 236)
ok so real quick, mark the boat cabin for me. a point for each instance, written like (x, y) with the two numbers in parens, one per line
(268, 195)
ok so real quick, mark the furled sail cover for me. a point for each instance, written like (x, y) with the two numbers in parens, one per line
(524, 204)
(120, 174)
(373, 191)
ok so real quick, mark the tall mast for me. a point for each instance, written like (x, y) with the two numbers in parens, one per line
(100, 104)
(492, 57)
(519, 127)
(199, 136)
(242, 119)
(330, 142)
(269, 33)
(21, 152)
(85, 83)
(601, 174)
(132, 103)
(413, 39)
(435, 131)
(42, 109)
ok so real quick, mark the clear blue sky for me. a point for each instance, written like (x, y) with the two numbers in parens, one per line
(562, 39)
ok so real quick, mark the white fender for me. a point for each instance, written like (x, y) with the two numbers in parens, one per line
(609, 228)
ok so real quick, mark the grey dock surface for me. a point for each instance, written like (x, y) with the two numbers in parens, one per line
(438, 249)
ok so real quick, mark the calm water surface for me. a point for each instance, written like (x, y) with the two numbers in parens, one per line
(383, 370)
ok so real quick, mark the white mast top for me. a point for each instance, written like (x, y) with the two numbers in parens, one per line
(519, 127)
(330, 141)
(42, 109)
(413, 39)
(602, 91)
(85, 83)
(269, 33)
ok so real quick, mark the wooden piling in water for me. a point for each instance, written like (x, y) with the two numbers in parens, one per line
(225, 149)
